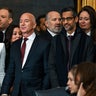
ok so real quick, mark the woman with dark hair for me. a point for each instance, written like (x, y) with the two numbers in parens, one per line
(15, 31)
(86, 79)
(14, 34)
(87, 22)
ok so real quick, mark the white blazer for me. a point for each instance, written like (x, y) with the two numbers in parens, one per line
(2, 62)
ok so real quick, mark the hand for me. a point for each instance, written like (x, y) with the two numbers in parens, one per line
(81, 91)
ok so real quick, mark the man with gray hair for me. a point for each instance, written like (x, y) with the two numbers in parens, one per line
(53, 24)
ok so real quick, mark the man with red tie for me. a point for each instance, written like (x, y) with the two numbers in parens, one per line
(29, 72)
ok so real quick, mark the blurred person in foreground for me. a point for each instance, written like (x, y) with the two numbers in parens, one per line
(86, 79)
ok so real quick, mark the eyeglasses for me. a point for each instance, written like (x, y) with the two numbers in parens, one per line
(68, 18)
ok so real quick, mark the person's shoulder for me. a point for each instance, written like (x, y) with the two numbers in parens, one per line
(15, 43)
(40, 39)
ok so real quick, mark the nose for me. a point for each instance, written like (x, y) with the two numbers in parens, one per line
(22, 23)
(68, 82)
(65, 21)
(82, 20)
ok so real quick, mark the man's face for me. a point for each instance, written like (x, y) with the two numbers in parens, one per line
(54, 22)
(68, 21)
(5, 20)
(27, 24)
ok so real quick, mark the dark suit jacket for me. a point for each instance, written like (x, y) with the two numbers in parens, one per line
(81, 50)
(46, 35)
(34, 74)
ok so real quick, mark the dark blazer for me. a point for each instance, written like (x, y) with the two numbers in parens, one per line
(34, 74)
(46, 35)
(81, 50)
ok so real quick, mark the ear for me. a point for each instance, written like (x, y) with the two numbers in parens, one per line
(10, 20)
(34, 26)
(46, 23)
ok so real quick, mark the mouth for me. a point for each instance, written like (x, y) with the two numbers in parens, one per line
(69, 88)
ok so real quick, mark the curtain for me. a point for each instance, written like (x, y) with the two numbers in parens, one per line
(82, 3)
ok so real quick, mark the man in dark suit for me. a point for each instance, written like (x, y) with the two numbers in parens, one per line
(53, 25)
(61, 59)
(6, 19)
(29, 73)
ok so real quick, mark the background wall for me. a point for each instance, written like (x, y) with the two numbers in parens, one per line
(37, 7)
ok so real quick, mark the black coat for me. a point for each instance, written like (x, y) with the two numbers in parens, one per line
(81, 50)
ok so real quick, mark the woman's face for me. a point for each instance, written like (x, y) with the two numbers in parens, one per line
(16, 34)
(84, 21)
(73, 88)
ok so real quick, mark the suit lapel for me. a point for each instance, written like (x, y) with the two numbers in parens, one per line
(19, 52)
(63, 41)
(32, 50)
(74, 45)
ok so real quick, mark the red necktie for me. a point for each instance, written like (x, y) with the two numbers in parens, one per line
(23, 49)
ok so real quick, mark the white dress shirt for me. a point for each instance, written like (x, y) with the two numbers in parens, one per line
(52, 34)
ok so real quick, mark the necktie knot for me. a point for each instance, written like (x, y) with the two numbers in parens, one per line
(69, 37)
(25, 39)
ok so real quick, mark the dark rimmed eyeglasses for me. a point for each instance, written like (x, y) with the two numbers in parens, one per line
(68, 18)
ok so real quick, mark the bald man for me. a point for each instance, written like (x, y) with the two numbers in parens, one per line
(30, 73)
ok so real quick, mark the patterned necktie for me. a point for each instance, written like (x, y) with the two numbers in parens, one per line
(1, 36)
(23, 49)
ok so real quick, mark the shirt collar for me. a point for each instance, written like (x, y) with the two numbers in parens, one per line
(72, 34)
(32, 36)
(4, 31)
(88, 33)
(53, 34)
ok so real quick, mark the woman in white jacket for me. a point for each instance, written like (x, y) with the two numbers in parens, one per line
(2, 62)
